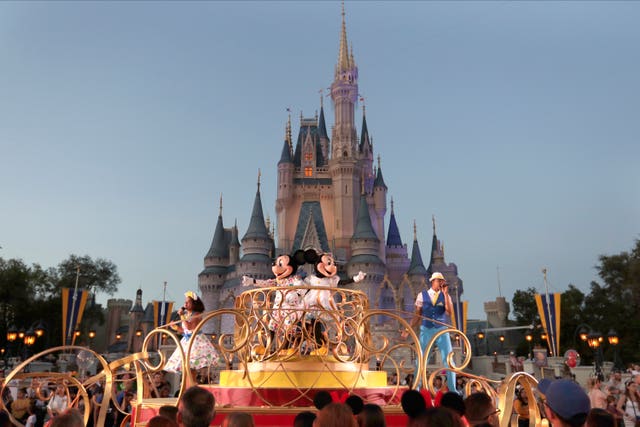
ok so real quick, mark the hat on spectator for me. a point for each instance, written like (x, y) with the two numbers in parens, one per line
(566, 398)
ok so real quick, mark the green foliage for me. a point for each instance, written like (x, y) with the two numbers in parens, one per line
(524, 307)
(610, 305)
(31, 294)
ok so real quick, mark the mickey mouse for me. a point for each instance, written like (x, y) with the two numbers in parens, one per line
(319, 301)
(288, 305)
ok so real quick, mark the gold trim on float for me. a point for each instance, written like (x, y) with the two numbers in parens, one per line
(303, 379)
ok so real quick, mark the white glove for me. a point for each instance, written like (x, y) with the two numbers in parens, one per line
(359, 277)
(248, 281)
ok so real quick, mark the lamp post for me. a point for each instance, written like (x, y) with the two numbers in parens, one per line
(479, 337)
(529, 337)
(614, 340)
(594, 339)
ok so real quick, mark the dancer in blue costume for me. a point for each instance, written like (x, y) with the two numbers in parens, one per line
(435, 303)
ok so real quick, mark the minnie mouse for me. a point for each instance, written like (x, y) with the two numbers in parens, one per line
(287, 305)
(319, 301)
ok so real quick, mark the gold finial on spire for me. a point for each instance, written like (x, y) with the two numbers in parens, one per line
(321, 92)
(415, 231)
(343, 54)
(433, 219)
(288, 132)
(259, 173)
(267, 222)
(392, 204)
(378, 161)
(220, 213)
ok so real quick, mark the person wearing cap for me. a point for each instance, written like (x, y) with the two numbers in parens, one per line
(565, 403)
(203, 354)
(433, 305)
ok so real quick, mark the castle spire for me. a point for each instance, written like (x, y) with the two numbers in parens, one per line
(344, 63)
(393, 236)
(417, 266)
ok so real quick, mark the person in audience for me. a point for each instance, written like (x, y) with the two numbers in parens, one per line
(521, 407)
(160, 421)
(565, 403)
(454, 402)
(58, 402)
(436, 417)
(238, 419)
(355, 403)
(169, 411)
(21, 405)
(304, 419)
(480, 410)
(629, 405)
(322, 399)
(413, 403)
(196, 408)
(69, 418)
(371, 415)
(597, 397)
(335, 415)
(599, 417)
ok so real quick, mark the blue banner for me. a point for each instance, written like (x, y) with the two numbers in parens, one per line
(73, 304)
(549, 310)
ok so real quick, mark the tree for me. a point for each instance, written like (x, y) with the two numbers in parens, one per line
(524, 307)
(614, 304)
(29, 294)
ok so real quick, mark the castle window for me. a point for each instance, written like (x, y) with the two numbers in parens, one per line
(308, 171)
(308, 156)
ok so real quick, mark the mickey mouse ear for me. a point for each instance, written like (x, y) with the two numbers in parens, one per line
(311, 256)
(298, 257)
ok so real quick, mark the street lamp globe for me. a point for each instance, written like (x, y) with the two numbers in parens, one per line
(12, 334)
(613, 338)
(39, 330)
(594, 339)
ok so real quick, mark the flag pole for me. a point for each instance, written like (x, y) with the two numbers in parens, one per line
(74, 299)
(551, 331)
(162, 314)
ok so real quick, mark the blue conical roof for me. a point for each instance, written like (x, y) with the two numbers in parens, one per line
(218, 247)
(322, 127)
(364, 229)
(257, 228)
(285, 157)
(393, 237)
(417, 266)
(364, 134)
(379, 181)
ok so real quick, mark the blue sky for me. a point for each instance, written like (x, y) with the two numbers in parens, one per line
(514, 123)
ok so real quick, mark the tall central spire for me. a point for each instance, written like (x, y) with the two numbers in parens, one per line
(344, 62)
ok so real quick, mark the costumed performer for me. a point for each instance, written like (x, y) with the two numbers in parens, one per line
(203, 354)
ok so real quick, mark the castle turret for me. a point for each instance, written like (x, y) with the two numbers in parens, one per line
(216, 264)
(397, 259)
(417, 272)
(343, 166)
(364, 250)
(380, 206)
(136, 314)
(256, 243)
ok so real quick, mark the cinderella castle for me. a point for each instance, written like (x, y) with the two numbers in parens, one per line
(331, 196)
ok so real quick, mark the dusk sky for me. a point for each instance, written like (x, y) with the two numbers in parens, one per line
(516, 124)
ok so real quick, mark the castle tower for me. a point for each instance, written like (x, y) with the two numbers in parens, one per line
(364, 250)
(216, 264)
(397, 259)
(417, 272)
(380, 207)
(343, 166)
(136, 315)
(449, 271)
(256, 244)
